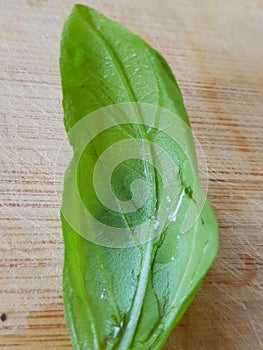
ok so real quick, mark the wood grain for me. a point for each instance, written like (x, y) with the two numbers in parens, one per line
(216, 51)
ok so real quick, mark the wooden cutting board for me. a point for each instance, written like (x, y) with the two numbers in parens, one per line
(215, 49)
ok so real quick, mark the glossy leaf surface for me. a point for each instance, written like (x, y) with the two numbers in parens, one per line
(127, 297)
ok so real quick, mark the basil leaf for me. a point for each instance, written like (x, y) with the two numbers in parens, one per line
(126, 297)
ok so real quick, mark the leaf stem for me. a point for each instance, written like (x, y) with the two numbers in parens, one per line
(138, 299)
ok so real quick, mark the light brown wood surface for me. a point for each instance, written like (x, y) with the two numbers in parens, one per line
(215, 49)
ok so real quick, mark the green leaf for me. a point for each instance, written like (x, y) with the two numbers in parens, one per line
(126, 288)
